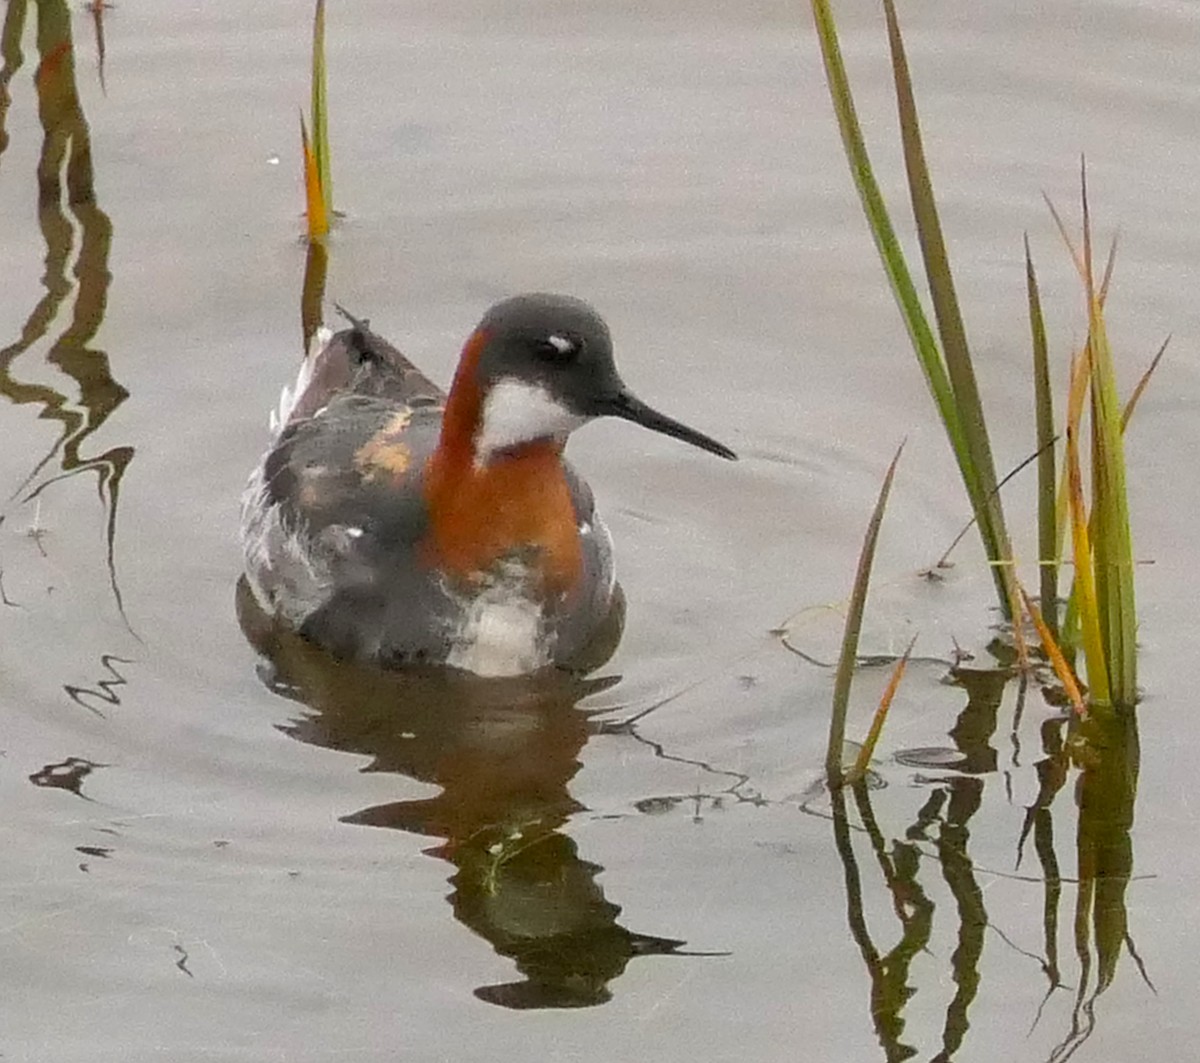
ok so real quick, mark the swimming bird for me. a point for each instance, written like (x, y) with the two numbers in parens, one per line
(394, 523)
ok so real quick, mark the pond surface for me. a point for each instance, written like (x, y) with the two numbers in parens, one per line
(210, 856)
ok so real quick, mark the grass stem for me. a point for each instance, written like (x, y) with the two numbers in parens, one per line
(854, 617)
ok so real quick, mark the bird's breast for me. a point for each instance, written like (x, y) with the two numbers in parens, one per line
(518, 507)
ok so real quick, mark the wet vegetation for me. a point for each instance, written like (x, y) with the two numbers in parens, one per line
(1101, 615)
(848, 657)
(318, 187)
(1096, 737)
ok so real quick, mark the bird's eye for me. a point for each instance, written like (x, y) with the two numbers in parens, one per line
(558, 347)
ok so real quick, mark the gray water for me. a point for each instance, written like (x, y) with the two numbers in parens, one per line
(209, 858)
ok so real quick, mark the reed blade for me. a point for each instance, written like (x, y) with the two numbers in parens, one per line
(1131, 405)
(951, 390)
(1077, 392)
(1057, 661)
(882, 232)
(980, 476)
(854, 617)
(1048, 544)
(1108, 271)
(1064, 232)
(320, 113)
(1085, 583)
(1113, 541)
(318, 217)
(863, 762)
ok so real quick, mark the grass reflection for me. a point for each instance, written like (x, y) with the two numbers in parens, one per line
(889, 974)
(1101, 753)
(1106, 746)
(68, 212)
(97, 8)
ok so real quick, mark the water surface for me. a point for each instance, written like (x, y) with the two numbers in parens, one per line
(210, 857)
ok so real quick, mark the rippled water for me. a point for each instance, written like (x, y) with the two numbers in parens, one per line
(212, 855)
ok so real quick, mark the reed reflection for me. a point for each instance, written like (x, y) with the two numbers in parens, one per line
(1102, 753)
(503, 753)
(78, 237)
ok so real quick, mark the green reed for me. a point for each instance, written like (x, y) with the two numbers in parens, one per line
(945, 357)
(318, 187)
(318, 184)
(1101, 614)
(848, 657)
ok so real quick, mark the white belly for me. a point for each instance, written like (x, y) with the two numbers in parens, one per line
(501, 635)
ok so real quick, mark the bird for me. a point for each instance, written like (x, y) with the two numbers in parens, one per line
(392, 523)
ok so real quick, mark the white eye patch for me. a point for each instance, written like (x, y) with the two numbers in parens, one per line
(516, 412)
(562, 344)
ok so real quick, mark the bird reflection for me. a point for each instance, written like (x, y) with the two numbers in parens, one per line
(503, 753)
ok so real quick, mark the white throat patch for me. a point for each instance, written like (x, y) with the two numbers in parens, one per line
(518, 412)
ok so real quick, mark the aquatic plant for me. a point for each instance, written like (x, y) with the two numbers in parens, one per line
(848, 658)
(314, 199)
(318, 188)
(944, 358)
(1101, 614)
(318, 183)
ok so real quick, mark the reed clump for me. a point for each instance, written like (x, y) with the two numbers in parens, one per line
(1099, 619)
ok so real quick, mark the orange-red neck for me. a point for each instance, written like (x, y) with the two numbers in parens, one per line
(519, 501)
(464, 406)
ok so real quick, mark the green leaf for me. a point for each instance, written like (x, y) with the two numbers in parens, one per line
(979, 473)
(1046, 477)
(862, 762)
(952, 391)
(320, 114)
(854, 617)
(890, 252)
(1112, 540)
(318, 217)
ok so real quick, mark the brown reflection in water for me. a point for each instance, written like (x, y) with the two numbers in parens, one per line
(105, 690)
(503, 753)
(1107, 751)
(67, 775)
(972, 734)
(10, 62)
(1104, 750)
(97, 9)
(914, 911)
(1052, 772)
(312, 290)
(67, 208)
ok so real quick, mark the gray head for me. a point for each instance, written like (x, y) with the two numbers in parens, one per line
(546, 367)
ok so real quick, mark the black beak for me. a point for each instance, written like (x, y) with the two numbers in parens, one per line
(630, 408)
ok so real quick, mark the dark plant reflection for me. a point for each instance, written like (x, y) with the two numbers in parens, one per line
(97, 8)
(503, 753)
(1103, 753)
(77, 236)
(312, 289)
(1108, 754)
